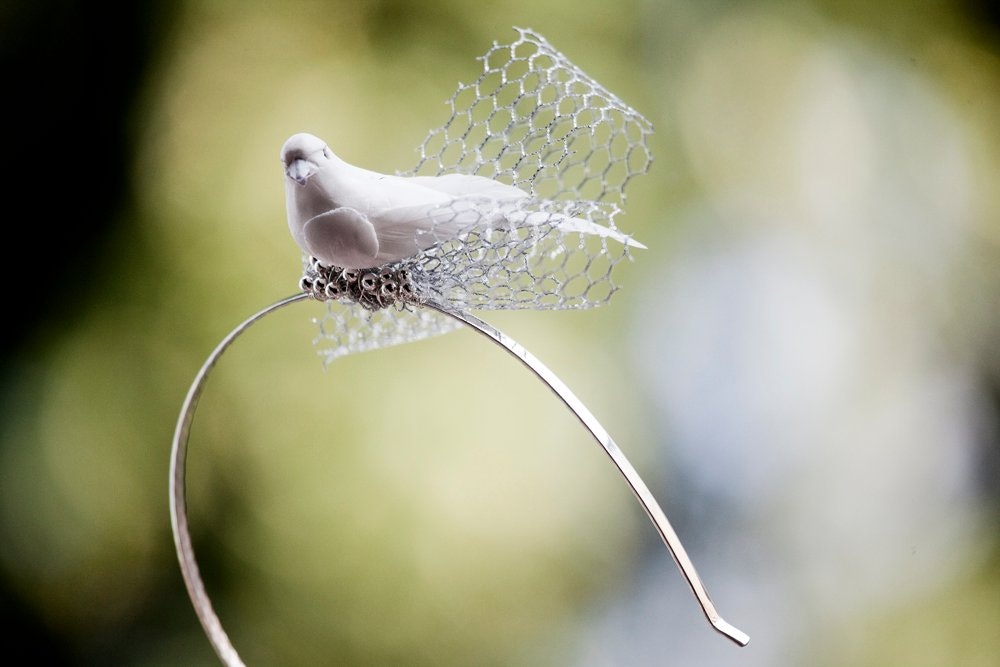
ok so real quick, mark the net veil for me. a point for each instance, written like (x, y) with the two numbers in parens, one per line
(533, 121)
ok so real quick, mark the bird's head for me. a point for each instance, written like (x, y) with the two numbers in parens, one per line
(303, 155)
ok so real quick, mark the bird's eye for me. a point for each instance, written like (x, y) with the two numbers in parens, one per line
(327, 153)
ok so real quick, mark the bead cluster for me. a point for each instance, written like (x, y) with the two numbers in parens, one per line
(374, 289)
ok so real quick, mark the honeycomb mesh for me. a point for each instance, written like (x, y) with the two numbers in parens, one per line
(533, 121)
(345, 329)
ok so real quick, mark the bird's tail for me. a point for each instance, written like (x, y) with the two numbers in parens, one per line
(568, 223)
(469, 214)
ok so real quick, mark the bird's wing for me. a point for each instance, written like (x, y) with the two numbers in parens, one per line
(461, 185)
(341, 237)
(406, 230)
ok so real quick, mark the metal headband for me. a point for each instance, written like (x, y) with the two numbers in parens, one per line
(511, 206)
(178, 457)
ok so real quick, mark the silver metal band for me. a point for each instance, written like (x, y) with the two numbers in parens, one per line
(178, 504)
(178, 490)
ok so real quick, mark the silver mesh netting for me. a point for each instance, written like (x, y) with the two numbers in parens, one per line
(534, 121)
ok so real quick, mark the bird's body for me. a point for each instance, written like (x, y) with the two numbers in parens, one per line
(354, 218)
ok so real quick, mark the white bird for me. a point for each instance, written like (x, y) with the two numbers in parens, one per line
(353, 218)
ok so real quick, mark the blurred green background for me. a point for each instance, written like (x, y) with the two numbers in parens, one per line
(804, 364)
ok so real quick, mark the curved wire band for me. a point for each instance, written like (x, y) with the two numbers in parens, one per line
(178, 493)
(178, 485)
(603, 438)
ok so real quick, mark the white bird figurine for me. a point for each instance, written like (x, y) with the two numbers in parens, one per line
(353, 218)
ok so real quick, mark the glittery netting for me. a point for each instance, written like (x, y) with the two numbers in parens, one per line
(532, 120)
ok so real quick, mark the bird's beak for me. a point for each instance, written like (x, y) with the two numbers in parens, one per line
(300, 170)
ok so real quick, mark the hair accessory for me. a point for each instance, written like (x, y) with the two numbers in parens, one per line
(512, 205)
